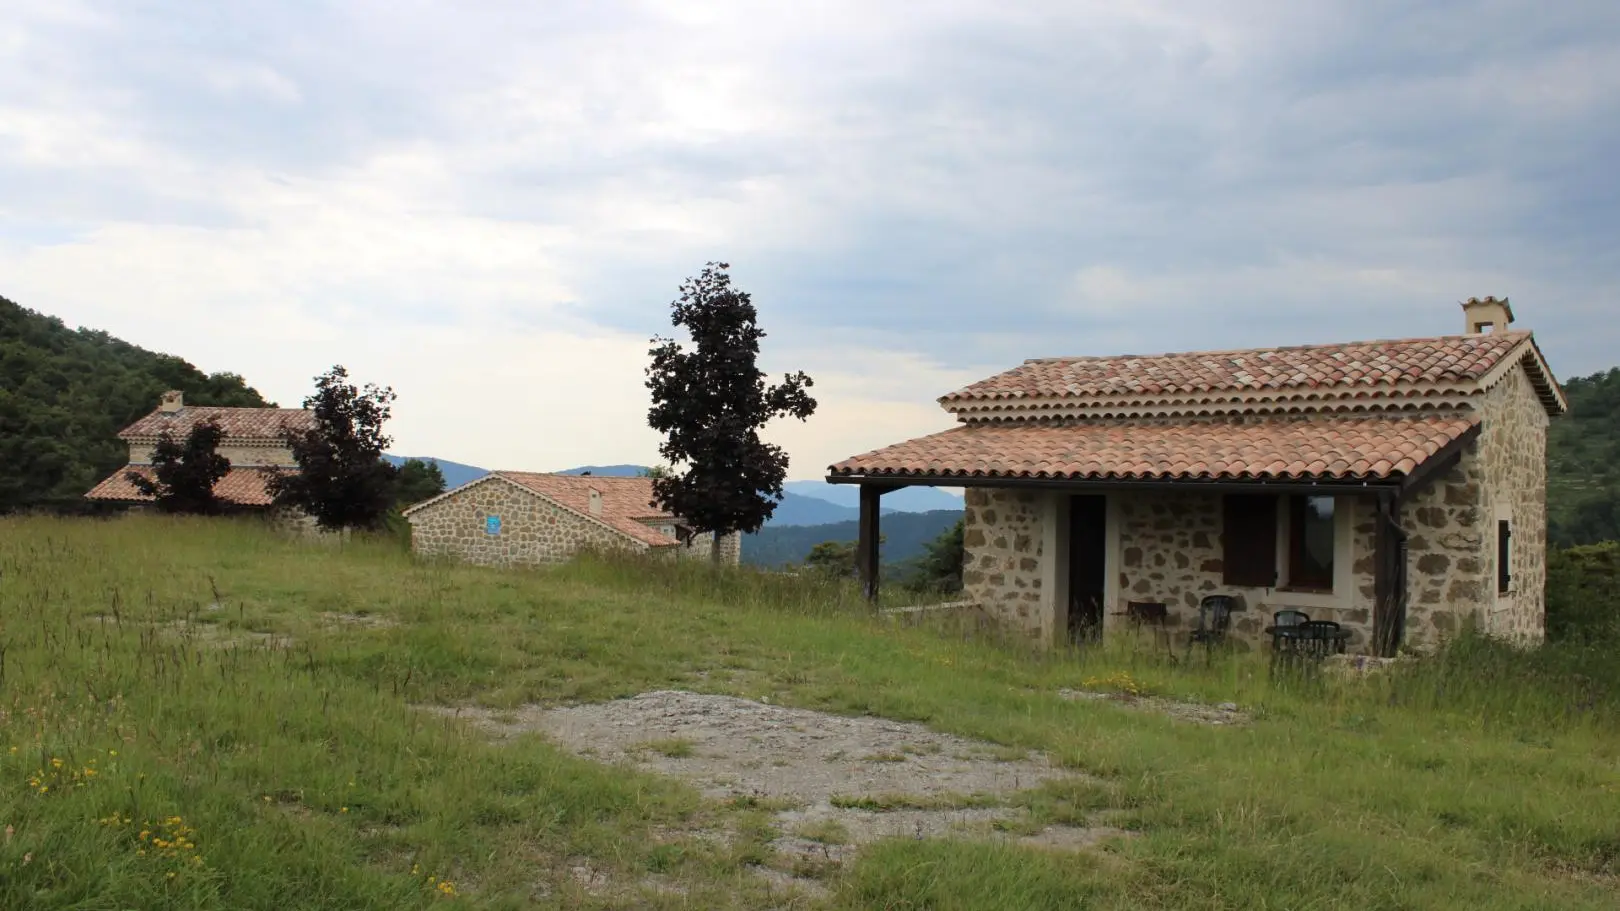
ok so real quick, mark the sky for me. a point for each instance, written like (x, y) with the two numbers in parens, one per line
(489, 206)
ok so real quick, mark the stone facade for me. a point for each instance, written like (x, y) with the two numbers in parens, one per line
(248, 456)
(1166, 546)
(533, 530)
(1513, 444)
(1170, 550)
(1447, 569)
(1003, 544)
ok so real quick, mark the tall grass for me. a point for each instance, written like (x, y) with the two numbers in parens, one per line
(262, 691)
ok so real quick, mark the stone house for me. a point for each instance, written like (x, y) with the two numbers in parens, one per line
(1396, 487)
(252, 442)
(508, 518)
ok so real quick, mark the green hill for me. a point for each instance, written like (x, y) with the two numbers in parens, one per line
(1583, 463)
(904, 533)
(65, 394)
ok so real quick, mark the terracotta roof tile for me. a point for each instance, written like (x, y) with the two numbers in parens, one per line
(238, 423)
(625, 501)
(1270, 449)
(242, 486)
(1353, 366)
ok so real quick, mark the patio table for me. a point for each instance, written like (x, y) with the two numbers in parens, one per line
(1298, 642)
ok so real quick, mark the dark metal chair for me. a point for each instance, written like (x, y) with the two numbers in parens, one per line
(1286, 619)
(1320, 638)
(1289, 617)
(1214, 619)
(1284, 624)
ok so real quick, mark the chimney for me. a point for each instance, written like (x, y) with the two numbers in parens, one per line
(1485, 315)
(596, 502)
(172, 401)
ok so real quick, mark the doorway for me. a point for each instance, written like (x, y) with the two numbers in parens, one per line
(1088, 565)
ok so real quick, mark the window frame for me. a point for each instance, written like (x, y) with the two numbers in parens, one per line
(1293, 539)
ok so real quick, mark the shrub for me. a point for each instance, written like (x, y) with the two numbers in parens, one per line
(1583, 594)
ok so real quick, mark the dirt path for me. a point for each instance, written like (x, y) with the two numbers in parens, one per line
(836, 782)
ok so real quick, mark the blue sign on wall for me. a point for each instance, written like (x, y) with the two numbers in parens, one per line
(492, 525)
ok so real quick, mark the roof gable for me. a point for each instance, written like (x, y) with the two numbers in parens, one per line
(238, 423)
(626, 502)
(1348, 370)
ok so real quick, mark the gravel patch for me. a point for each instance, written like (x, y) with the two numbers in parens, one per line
(835, 782)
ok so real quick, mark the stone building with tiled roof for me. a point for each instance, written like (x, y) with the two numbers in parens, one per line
(1395, 487)
(508, 518)
(252, 441)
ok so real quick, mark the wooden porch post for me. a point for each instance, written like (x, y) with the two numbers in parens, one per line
(1389, 578)
(866, 547)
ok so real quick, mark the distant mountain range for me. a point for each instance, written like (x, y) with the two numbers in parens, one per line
(804, 503)
(904, 536)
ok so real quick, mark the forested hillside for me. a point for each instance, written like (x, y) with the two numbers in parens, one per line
(65, 394)
(1583, 463)
(905, 535)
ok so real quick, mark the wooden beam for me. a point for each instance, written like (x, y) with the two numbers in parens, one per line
(1389, 579)
(866, 547)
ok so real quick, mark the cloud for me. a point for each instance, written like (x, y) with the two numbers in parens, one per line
(490, 207)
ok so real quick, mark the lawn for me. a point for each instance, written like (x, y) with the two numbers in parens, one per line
(203, 715)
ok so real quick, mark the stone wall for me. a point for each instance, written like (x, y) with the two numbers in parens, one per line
(1001, 564)
(240, 456)
(532, 530)
(1447, 568)
(1513, 442)
(1171, 550)
(698, 549)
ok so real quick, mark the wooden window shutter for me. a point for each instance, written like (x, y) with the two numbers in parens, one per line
(1504, 556)
(1249, 540)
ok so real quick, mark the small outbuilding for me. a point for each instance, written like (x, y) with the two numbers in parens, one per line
(1396, 488)
(509, 518)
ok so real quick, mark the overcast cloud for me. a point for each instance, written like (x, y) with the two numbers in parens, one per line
(489, 206)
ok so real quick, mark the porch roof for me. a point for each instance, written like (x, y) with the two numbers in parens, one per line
(1318, 448)
(242, 486)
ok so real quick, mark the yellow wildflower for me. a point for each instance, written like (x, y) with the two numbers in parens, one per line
(447, 888)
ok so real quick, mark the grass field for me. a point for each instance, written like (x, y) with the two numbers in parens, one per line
(201, 715)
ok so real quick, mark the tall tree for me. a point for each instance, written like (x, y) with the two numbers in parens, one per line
(342, 481)
(710, 403)
(940, 566)
(184, 474)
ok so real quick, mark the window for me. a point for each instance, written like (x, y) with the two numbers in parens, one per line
(1249, 540)
(1310, 543)
(1262, 534)
(1504, 556)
